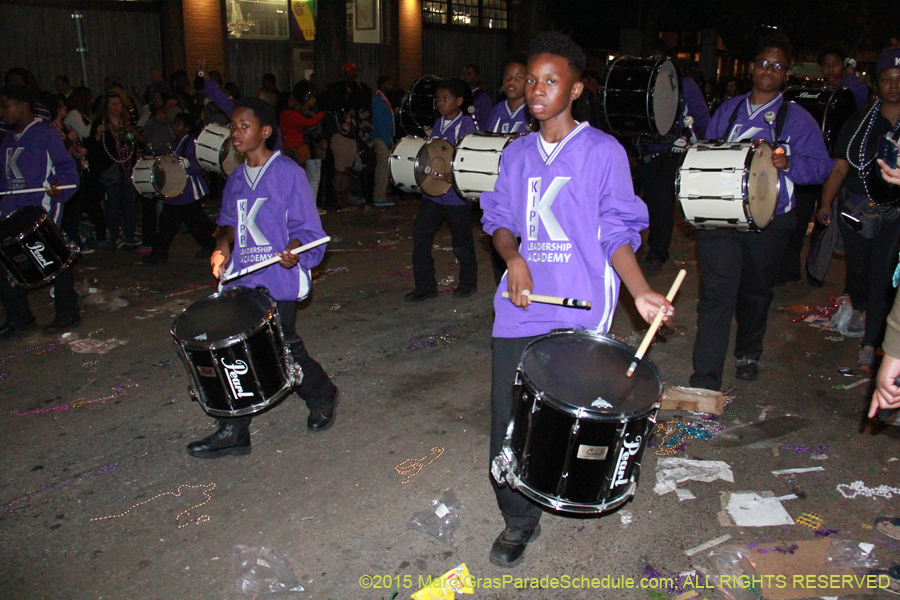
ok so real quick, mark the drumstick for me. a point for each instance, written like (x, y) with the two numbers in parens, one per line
(570, 302)
(274, 260)
(655, 325)
(40, 189)
(770, 119)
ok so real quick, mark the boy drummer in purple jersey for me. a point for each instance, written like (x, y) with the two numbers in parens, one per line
(567, 192)
(511, 115)
(268, 205)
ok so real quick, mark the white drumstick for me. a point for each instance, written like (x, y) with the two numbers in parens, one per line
(40, 189)
(689, 123)
(770, 119)
(570, 302)
(274, 260)
(655, 325)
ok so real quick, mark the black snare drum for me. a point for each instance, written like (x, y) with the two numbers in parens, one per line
(641, 96)
(234, 352)
(33, 249)
(579, 426)
(418, 110)
(830, 107)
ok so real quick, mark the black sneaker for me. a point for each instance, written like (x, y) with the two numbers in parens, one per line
(322, 418)
(747, 369)
(465, 290)
(509, 547)
(228, 440)
(418, 295)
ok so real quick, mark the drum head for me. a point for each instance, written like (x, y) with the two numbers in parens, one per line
(762, 186)
(218, 317)
(435, 158)
(583, 370)
(169, 178)
(417, 109)
(666, 94)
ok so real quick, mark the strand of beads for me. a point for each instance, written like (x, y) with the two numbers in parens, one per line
(858, 488)
(410, 468)
(675, 433)
(204, 489)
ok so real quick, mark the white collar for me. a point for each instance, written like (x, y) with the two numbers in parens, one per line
(262, 171)
(561, 143)
(445, 125)
(27, 127)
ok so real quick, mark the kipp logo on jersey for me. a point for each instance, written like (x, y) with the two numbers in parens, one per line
(247, 223)
(539, 208)
(12, 169)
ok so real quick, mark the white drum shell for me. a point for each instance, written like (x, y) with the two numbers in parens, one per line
(476, 163)
(147, 183)
(402, 163)
(214, 150)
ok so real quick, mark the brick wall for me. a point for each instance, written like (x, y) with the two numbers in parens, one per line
(410, 41)
(203, 35)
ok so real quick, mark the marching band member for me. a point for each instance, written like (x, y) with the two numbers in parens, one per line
(267, 204)
(738, 269)
(567, 192)
(34, 157)
(511, 115)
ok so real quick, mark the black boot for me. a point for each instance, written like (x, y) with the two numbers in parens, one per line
(509, 547)
(229, 439)
(322, 418)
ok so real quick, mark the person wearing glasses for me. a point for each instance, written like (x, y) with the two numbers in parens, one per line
(738, 269)
(870, 231)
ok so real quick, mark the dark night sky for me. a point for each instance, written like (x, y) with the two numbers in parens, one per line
(862, 25)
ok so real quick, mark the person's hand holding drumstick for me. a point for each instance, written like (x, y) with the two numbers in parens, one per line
(647, 301)
(288, 259)
(518, 276)
(222, 253)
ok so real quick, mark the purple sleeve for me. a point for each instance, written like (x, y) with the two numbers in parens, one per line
(810, 163)
(696, 107)
(498, 211)
(467, 126)
(215, 93)
(622, 214)
(65, 171)
(303, 220)
(719, 121)
(859, 89)
(483, 109)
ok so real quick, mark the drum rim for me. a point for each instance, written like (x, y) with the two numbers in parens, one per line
(583, 411)
(437, 142)
(467, 195)
(560, 504)
(253, 409)
(231, 340)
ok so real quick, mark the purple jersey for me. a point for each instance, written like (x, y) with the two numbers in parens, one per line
(800, 137)
(505, 120)
(36, 158)
(573, 209)
(196, 187)
(451, 131)
(482, 105)
(266, 214)
(859, 89)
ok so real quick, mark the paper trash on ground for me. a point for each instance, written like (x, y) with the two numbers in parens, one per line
(748, 510)
(671, 471)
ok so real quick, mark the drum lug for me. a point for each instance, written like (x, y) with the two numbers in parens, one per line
(193, 394)
(503, 468)
(294, 372)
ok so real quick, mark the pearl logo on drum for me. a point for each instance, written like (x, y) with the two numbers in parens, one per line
(628, 450)
(233, 373)
(36, 250)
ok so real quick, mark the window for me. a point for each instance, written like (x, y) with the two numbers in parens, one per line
(257, 19)
(491, 14)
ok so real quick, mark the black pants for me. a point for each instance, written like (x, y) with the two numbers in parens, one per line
(518, 511)
(65, 298)
(659, 196)
(316, 388)
(149, 220)
(92, 203)
(870, 268)
(72, 216)
(806, 199)
(431, 215)
(193, 216)
(737, 272)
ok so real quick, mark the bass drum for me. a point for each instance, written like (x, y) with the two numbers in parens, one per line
(830, 107)
(159, 176)
(476, 163)
(579, 427)
(415, 162)
(641, 96)
(232, 347)
(418, 111)
(728, 184)
(215, 152)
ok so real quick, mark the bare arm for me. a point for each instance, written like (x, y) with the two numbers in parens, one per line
(222, 252)
(518, 278)
(830, 189)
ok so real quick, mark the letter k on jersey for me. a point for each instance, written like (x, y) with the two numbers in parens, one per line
(247, 223)
(539, 208)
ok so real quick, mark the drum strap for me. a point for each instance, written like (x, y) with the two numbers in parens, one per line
(780, 118)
